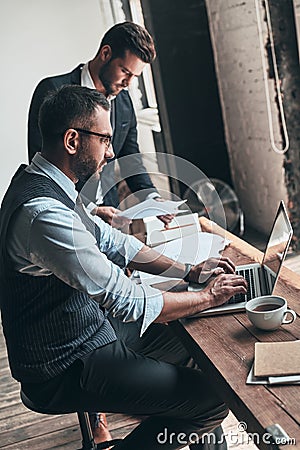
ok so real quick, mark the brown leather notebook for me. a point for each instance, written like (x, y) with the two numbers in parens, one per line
(277, 358)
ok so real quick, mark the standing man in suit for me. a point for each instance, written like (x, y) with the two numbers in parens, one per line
(125, 50)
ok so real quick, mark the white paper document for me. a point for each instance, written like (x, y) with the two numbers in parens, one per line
(182, 225)
(191, 249)
(288, 379)
(151, 207)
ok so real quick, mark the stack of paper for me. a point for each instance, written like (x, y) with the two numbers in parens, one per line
(180, 226)
(276, 363)
(191, 249)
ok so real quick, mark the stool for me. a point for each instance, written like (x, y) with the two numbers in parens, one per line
(84, 422)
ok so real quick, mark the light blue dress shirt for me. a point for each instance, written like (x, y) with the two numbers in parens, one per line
(48, 238)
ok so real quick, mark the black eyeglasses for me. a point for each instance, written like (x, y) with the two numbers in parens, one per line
(104, 138)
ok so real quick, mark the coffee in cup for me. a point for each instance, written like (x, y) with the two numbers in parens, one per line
(269, 312)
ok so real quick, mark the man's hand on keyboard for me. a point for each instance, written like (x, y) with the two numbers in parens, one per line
(225, 286)
(212, 266)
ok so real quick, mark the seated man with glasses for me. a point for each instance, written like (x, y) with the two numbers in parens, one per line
(61, 273)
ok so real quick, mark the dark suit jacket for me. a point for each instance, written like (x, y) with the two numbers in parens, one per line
(124, 140)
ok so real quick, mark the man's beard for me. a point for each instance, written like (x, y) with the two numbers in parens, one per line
(83, 165)
(106, 81)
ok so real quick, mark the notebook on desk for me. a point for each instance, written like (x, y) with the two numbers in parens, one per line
(262, 277)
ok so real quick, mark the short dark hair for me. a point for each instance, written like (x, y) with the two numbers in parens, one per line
(130, 36)
(70, 106)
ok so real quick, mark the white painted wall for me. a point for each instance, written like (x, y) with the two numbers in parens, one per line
(257, 170)
(38, 38)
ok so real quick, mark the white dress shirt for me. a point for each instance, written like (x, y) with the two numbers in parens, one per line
(87, 81)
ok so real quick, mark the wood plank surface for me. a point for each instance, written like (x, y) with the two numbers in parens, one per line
(224, 346)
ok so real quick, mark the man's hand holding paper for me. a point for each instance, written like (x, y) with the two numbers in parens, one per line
(152, 207)
(165, 218)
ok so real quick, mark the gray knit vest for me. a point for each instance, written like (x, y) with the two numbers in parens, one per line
(47, 324)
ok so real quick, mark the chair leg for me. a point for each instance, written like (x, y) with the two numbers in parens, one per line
(86, 432)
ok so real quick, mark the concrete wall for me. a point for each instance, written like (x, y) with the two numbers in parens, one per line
(257, 170)
(297, 17)
(38, 38)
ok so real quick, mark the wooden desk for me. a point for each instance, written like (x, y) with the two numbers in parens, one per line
(224, 347)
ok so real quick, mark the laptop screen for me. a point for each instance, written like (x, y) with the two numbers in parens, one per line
(277, 246)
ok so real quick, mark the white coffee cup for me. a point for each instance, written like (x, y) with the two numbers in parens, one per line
(268, 312)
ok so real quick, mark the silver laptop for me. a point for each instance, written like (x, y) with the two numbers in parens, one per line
(262, 277)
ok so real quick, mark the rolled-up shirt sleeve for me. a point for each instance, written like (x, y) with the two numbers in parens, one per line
(59, 243)
(119, 247)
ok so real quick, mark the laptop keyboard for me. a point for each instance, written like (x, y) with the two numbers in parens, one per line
(251, 292)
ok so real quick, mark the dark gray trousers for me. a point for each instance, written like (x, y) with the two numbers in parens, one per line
(152, 376)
